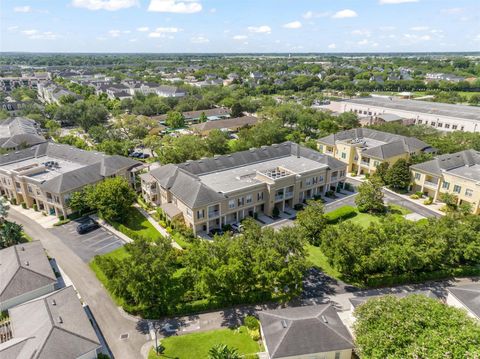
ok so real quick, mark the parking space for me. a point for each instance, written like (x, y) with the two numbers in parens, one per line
(88, 245)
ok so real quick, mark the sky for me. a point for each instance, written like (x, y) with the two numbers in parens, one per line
(284, 26)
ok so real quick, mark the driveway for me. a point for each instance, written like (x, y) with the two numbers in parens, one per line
(124, 334)
(88, 245)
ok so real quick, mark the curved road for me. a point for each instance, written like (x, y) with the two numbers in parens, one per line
(108, 316)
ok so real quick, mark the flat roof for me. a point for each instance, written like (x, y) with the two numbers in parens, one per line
(243, 177)
(433, 108)
(64, 166)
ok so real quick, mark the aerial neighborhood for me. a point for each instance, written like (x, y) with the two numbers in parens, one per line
(180, 192)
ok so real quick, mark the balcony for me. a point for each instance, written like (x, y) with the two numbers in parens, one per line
(430, 184)
(279, 197)
(365, 163)
(213, 214)
(288, 195)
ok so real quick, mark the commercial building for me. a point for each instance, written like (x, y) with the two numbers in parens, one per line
(54, 326)
(46, 175)
(442, 116)
(363, 149)
(25, 274)
(456, 173)
(305, 332)
(18, 132)
(212, 192)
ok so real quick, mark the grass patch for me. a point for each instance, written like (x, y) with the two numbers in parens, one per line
(26, 238)
(317, 259)
(138, 225)
(118, 253)
(197, 345)
(365, 219)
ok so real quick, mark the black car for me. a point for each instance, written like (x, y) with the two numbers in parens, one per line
(144, 156)
(87, 226)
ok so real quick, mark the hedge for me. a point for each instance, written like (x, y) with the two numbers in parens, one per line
(341, 214)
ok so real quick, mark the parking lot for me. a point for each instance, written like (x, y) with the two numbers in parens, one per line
(88, 245)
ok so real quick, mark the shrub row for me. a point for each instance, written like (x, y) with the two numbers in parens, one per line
(341, 214)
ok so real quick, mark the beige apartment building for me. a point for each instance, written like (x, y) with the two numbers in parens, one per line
(46, 175)
(213, 192)
(363, 149)
(456, 173)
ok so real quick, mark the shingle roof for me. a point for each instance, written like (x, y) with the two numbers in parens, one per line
(393, 144)
(19, 130)
(469, 296)
(24, 268)
(231, 123)
(56, 327)
(304, 330)
(449, 162)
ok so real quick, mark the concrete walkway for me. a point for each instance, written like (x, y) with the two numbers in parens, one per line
(111, 228)
(157, 226)
(45, 221)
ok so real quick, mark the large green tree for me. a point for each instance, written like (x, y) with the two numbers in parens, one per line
(398, 175)
(414, 327)
(370, 196)
(10, 234)
(175, 119)
(312, 221)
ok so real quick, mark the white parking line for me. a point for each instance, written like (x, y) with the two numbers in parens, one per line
(108, 245)
(94, 236)
(100, 241)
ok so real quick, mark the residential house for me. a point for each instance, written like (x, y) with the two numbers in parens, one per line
(465, 297)
(19, 132)
(229, 124)
(213, 192)
(25, 274)
(363, 149)
(46, 175)
(305, 332)
(457, 173)
(54, 326)
(50, 92)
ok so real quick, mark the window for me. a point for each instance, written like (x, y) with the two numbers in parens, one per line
(376, 163)
(457, 189)
(189, 212)
(417, 176)
(344, 155)
(468, 192)
(308, 181)
(454, 127)
(320, 179)
(337, 355)
(260, 196)
(320, 148)
(440, 124)
(249, 198)
(432, 123)
(241, 201)
(201, 214)
(447, 125)
(342, 173)
(419, 122)
(231, 204)
(446, 185)
(315, 180)
(461, 128)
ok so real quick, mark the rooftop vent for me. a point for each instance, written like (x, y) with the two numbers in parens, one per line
(27, 263)
(324, 319)
(54, 302)
(284, 323)
(60, 320)
(22, 248)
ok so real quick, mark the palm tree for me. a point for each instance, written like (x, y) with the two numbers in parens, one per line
(222, 351)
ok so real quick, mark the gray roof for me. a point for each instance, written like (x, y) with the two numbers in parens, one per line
(184, 182)
(24, 268)
(52, 327)
(385, 144)
(17, 131)
(95, 165)
(230, 123)
(356, 301)
(304, 330)
(464, 164)
(469, 296)
(435, 108)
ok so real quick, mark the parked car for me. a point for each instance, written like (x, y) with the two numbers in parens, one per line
(135, 154)
(237, 227)
(216, 231)
(87, 226)
(144, 155)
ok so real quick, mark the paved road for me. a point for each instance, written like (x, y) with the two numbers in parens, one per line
(88, 245)
(111, 321)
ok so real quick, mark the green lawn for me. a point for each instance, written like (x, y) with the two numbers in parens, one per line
(197, 345)
(318, 259)
(364, 219)
(137, 223)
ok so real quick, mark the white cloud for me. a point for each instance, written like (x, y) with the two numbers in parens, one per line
(332, 46)
(25, 8)
(213, 10)
(162, 31)
(343, 14)
(132, 40)
(362, 32)
(12, 28)
(264, 29)
(175, 6)
(114, 33)
(293, 25)
(109, 5)
(416, 38)
(366, 42)
(29, 32)
(199, 40)
(240, 37)
(312, 14)
(383, 2)
(419, 28)
(143, 29)
(39, 35)
(387, 28)
(453, 10)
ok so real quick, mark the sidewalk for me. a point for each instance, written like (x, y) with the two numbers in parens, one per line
(157, 226)
(110, 228)
(45, 221)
